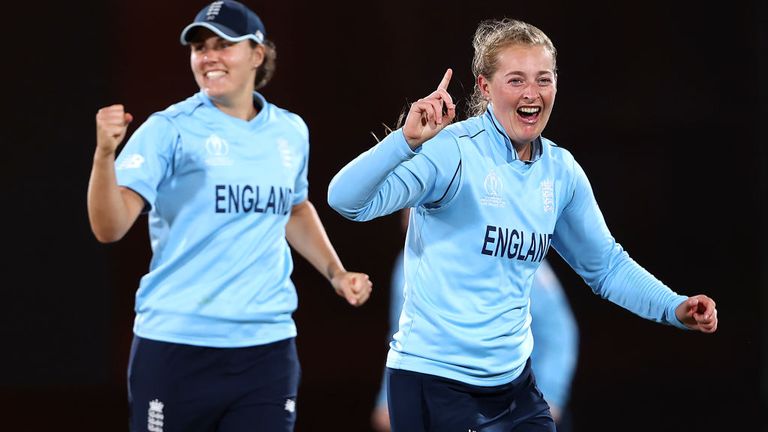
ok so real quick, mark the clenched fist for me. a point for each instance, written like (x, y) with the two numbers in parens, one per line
(111, 125)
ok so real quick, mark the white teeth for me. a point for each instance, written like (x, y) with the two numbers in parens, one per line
(214, 74)
(530, 110)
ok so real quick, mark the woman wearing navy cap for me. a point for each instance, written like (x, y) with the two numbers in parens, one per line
(222, 176)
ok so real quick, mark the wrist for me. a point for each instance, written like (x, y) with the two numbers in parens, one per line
(413, 143)
(103, 153)
(333, 270)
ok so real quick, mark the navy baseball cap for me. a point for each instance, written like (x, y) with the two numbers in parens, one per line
(230, 20)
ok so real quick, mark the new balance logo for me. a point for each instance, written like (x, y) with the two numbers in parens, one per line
(290, 405)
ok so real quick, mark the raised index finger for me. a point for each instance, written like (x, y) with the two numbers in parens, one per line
(446, 79)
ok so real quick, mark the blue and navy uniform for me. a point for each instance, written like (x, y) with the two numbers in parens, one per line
(553, 325)
(218, 296)
(482, 222)
(219, 192)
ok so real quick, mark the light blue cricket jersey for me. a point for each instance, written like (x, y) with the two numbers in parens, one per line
(483, 220)
(555, 331)
(220, 192)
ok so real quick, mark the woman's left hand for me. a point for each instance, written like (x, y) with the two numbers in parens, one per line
(698, 313)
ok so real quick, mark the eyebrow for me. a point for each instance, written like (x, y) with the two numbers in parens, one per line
(540, 73)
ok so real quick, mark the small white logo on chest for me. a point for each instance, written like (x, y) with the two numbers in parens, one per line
(286, 155)
(493, 187)
(217, 149)
(548, 195)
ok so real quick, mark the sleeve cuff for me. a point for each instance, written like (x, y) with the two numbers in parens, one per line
(671, 316)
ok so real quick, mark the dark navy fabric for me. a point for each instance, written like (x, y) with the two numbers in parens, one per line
(427, 403)
(185, 388)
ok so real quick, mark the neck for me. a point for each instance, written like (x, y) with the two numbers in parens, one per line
(524, 152)
(243, 109)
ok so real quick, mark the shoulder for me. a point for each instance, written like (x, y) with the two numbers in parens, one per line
(557, 154)
(169, 123)
(554, 150)
(563, 161)
(455, 133)
(156, 125)
(468, 128)
(287, 119)
(172, 118)
(186, 107)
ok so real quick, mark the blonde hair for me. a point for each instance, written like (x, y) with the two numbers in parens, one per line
(490, 38)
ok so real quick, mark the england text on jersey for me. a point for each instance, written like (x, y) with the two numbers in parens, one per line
(511, 243)
(249, 199)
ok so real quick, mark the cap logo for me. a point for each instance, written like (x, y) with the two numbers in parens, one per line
(228, 19)
(213, 10)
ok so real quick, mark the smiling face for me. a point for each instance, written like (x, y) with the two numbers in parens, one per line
(522, 90)
(224, 70)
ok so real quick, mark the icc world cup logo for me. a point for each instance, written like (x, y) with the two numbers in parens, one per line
(215, 146)
(492, 184)
(217, 149)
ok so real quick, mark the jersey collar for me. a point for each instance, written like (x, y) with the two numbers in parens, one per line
(500, 135)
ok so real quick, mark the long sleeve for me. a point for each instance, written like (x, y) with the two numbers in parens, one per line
(391, 176)
(582, 238)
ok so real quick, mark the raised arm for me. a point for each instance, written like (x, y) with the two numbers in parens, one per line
(306, 234)
(399, 172)
(430, 115)
(112, 209)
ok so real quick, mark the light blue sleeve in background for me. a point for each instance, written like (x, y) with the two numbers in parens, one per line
(555, 337)
(395, 304)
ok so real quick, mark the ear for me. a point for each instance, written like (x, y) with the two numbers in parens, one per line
(483, 84)
(258, 54)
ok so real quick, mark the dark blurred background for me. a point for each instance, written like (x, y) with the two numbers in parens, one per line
(662, 102)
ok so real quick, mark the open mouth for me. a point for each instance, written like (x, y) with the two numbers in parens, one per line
(529, 114)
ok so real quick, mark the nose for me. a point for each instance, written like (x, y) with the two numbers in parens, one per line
(530, 93)
(208, 56)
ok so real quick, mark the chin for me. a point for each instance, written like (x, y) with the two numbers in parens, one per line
(212, 92)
